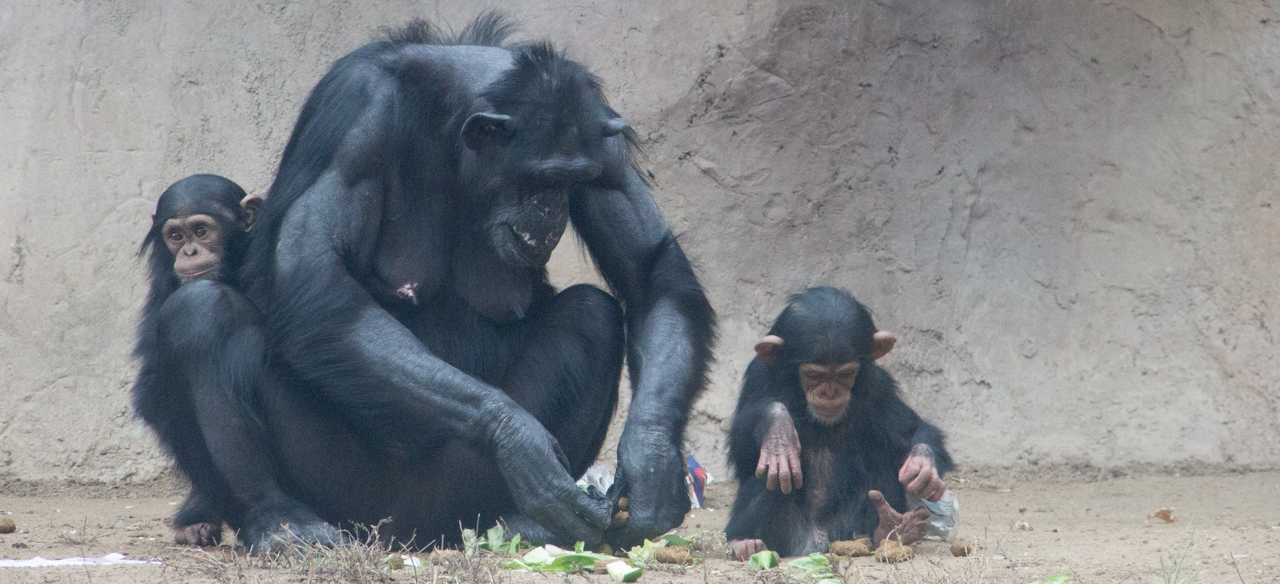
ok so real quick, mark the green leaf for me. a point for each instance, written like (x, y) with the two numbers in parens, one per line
(623, 572)
(513, 546)
(494, 538)
(673, 540)
(763, 560)
(641, 555)
(469, 542)
(537, 557)
(1058, 578)
(579, 547)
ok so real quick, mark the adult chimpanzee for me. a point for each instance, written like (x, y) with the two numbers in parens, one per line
(823, 447)
(198, 239)
(421, 366)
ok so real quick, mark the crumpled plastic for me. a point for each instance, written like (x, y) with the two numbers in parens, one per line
(107, 560)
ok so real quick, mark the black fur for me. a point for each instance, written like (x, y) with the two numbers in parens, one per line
(184, 341)
(417, 368)
(827, 326)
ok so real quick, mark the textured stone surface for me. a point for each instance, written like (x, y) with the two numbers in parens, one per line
(1064, 209)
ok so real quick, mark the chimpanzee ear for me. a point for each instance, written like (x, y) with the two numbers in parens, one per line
(251, 204)
(881, 343)
(485, 128)
(768, 349)
(615, 126)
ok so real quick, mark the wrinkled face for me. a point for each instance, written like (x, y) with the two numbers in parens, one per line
(528, 224)
(828, 389)
(525, 170)
(197, 243)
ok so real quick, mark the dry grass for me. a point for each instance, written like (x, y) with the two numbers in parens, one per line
(366, 559)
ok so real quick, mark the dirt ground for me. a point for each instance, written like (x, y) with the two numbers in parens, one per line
(1026, 530)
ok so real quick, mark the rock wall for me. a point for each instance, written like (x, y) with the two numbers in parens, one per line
(1065, 209)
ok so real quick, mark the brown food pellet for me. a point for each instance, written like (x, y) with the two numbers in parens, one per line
(856, 547)
(623, 503)
(673, 555)
(961, 548)
(620, 519)
(7, 525)
(892, 552)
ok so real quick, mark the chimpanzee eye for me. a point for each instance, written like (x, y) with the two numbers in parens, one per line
(201, 230)
(175, 235)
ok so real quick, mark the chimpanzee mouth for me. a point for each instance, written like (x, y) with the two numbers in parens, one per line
(534, 247)
(828, 415)
(191, 275)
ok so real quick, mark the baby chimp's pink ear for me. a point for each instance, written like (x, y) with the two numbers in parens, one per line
(881, 343)
(768, 349)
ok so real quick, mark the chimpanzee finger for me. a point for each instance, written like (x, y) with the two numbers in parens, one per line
(883, 508)
(784, 474)
(936, 489)
(771, 481)
(909, 470)
(797, 476)
(594, 514)
(922, 480)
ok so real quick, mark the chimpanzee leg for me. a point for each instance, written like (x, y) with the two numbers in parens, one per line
(562, 365)
(567, 375)
(213, 337)
(776, 518)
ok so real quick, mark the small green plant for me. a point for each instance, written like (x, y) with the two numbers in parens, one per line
(1171, 572)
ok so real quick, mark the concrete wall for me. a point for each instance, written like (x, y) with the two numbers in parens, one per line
(1067, 210)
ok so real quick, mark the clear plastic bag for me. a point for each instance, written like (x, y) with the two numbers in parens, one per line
(944, 516)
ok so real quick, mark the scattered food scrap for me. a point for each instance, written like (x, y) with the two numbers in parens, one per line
(1165, 515)
(764, 560)
(7, 525)
(961, 548)
(1023, 526)
(623, 572)
(549, 558)
(892, 552)
(673, 555)
(817, 567)
(856, 548)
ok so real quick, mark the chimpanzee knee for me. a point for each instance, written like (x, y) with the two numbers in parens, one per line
(203, 315)
(593, 314)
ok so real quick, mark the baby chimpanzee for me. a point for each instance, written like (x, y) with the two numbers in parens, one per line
(199, 233)
(823, 447)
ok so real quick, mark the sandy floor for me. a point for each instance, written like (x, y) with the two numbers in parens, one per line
(1026, 531)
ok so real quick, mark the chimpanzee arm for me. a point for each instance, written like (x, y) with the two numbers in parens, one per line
(333, 333)
(670, 332)
(750, 421)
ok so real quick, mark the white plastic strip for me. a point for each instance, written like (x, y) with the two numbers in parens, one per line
(39, 562)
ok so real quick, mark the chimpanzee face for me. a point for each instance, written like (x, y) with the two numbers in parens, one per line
(828, 389)
(526, 168)
(197, 243)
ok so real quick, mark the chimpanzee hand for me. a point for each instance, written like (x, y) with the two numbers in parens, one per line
(536, 472)
(904, 527)
(780, 452)
(651, 471)
(920, 476)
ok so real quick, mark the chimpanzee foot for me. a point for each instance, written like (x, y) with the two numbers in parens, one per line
(198, 534)
(277, 532)
(197, 522)
(742, 549)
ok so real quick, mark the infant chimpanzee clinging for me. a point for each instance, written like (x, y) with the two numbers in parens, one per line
(823, 447)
